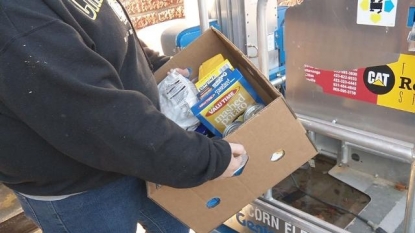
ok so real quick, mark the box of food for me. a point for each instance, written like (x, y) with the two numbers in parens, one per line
(273, 130)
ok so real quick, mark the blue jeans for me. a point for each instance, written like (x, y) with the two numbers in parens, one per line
(116, 207)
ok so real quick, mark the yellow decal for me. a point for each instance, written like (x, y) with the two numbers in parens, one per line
(402, 95)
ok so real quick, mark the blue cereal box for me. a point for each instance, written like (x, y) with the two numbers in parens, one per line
(227, 101)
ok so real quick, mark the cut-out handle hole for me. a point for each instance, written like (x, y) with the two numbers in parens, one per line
(277, 155)
(212, 203)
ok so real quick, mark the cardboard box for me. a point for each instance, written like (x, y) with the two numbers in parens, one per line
(274, 129)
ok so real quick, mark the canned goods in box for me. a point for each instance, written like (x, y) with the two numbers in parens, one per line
(231, 127)
(252, 110)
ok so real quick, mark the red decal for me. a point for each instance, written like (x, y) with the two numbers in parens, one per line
(349, 84)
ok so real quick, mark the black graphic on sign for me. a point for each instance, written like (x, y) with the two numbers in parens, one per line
(376, 5)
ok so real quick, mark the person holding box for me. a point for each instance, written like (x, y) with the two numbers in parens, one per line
(80, 125)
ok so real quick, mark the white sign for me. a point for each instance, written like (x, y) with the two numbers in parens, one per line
(254, 219)
(377, 12)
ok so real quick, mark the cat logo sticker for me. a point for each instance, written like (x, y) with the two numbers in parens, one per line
(379, 79)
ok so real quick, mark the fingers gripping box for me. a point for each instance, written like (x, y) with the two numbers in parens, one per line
(272, 130)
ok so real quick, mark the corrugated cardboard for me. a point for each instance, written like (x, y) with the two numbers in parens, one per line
(273, 129)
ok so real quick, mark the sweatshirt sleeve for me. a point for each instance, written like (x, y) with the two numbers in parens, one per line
(156, 60)
(75, 100)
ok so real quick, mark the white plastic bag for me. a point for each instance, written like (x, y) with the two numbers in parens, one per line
(177, 95)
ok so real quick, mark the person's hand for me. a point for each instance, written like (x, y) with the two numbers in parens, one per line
(185, 72)
(236, 160)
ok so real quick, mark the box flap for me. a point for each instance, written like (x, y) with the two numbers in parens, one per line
(211, 43)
